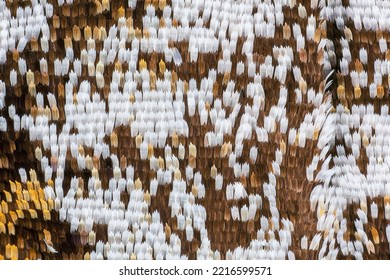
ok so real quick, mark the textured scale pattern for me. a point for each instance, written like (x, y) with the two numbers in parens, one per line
(193, 129)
